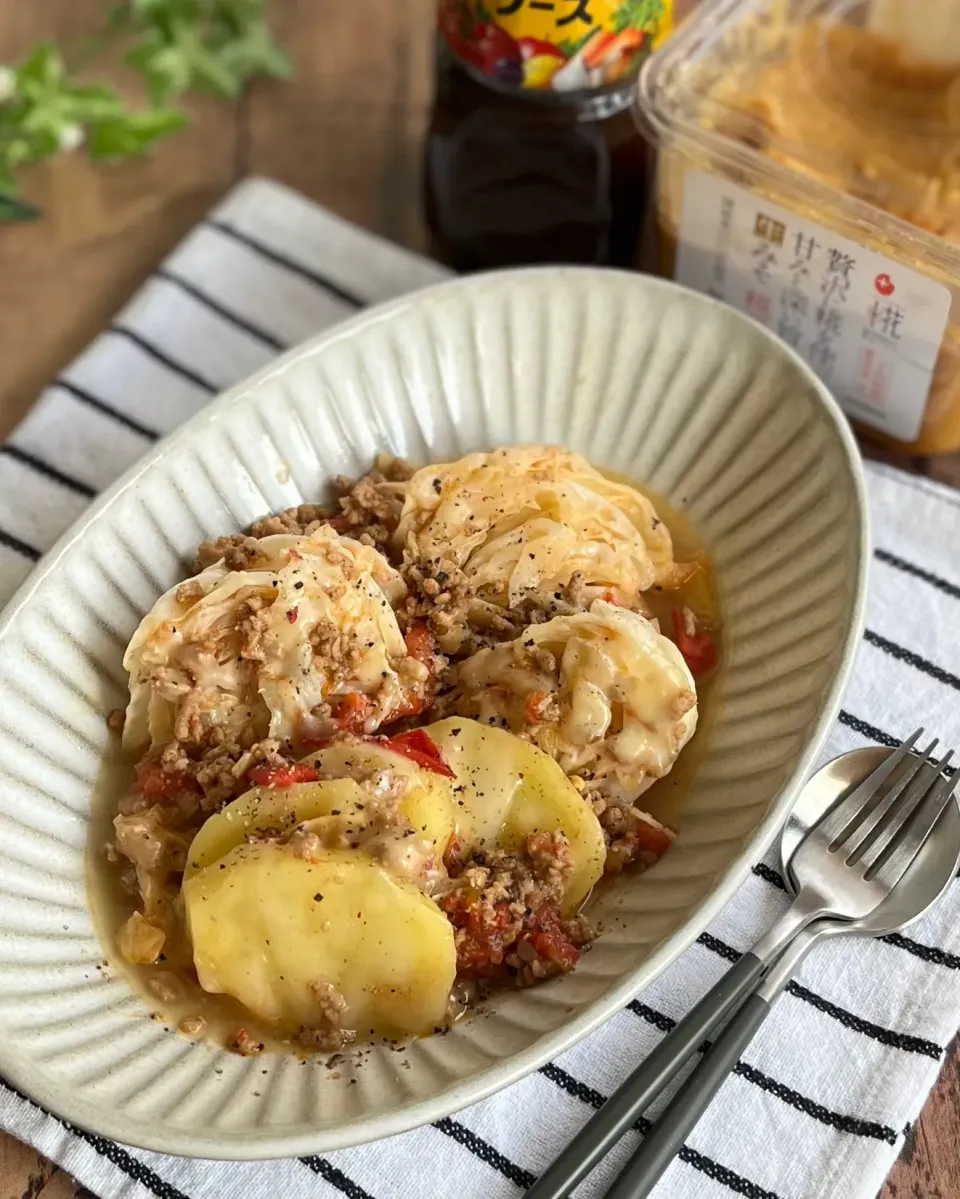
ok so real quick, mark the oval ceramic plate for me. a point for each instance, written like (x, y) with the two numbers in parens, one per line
(641, 377)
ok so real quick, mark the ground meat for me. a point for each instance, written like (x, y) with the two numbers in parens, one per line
(505, 909)
(203, 777)
(339, 655)
(239, 552)
(443, 597)
(300, 521)
(634, 839)
(367, 508)
(438, 594)
(253, 618)
(327, 1035)
(370, 507)
(116, 720)
(245, 1044)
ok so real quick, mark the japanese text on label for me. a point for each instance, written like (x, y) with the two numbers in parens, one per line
(868, 326)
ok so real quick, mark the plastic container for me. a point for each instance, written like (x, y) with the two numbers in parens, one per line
(808, 172)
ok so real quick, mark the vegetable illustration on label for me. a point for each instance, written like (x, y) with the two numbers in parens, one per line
(563, 46)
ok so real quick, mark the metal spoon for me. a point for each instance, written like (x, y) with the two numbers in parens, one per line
(923, 883)
(934, 869)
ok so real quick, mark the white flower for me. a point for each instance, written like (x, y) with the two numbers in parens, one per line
(8, 84)
(71, 136)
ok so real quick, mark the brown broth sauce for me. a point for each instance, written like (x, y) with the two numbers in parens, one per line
(111, 903)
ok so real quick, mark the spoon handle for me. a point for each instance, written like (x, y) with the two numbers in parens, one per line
(621, 1110)
(665, 1139)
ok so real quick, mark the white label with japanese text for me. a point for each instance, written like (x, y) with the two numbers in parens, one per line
(868, 326)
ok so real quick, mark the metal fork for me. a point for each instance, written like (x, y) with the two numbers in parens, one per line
(851, 861)
(846, 866)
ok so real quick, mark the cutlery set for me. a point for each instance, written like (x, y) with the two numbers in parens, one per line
(873, 842)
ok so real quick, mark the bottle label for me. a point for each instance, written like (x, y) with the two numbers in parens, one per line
(559, 46)
(868, 325)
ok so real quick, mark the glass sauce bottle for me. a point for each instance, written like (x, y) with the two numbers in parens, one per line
(532, 154)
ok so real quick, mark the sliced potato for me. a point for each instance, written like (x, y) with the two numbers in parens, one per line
(427, 806)
(275, 931)
(270, 807)
(510, 789)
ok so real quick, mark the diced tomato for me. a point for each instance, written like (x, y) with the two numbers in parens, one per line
(480, 952)
(533, 712)
(548, 939)
(153, 782)
(534, 47)
(246, 1044)
(421, 647)
(699, 649)
(414, 703)
(553, 946)
(420, 644)
(292, 614)
(352, 712)
(419, 747)
(494, 44)
(284, 774)
(653, 839)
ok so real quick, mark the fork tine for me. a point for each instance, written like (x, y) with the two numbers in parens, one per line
(879, 817)
(848, 814)
(889, 830)
(890, 865)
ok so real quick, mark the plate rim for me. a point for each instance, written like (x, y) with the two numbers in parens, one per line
(253, 1145)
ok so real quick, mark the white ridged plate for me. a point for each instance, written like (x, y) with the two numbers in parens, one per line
(638, 375)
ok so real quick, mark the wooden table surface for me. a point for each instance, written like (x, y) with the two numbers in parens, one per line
(347, 133)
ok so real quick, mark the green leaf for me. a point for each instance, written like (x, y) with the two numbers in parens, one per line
(238, 14)
(41, 71)
(211, 45)
(209, 72)
(34, 146)
(134, 133)
(255, 53)
(573, 45)
(165, 70)
(12, 208)
(97, 102)
(153, 10)
(639, 14)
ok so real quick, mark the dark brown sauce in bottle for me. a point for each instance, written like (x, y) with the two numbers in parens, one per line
(515, 179)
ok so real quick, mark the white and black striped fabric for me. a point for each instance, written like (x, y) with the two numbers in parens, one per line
(821, 1104)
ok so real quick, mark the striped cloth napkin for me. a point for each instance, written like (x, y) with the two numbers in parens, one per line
(823, 1100)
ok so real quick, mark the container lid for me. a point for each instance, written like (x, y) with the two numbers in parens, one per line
(817, 92)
